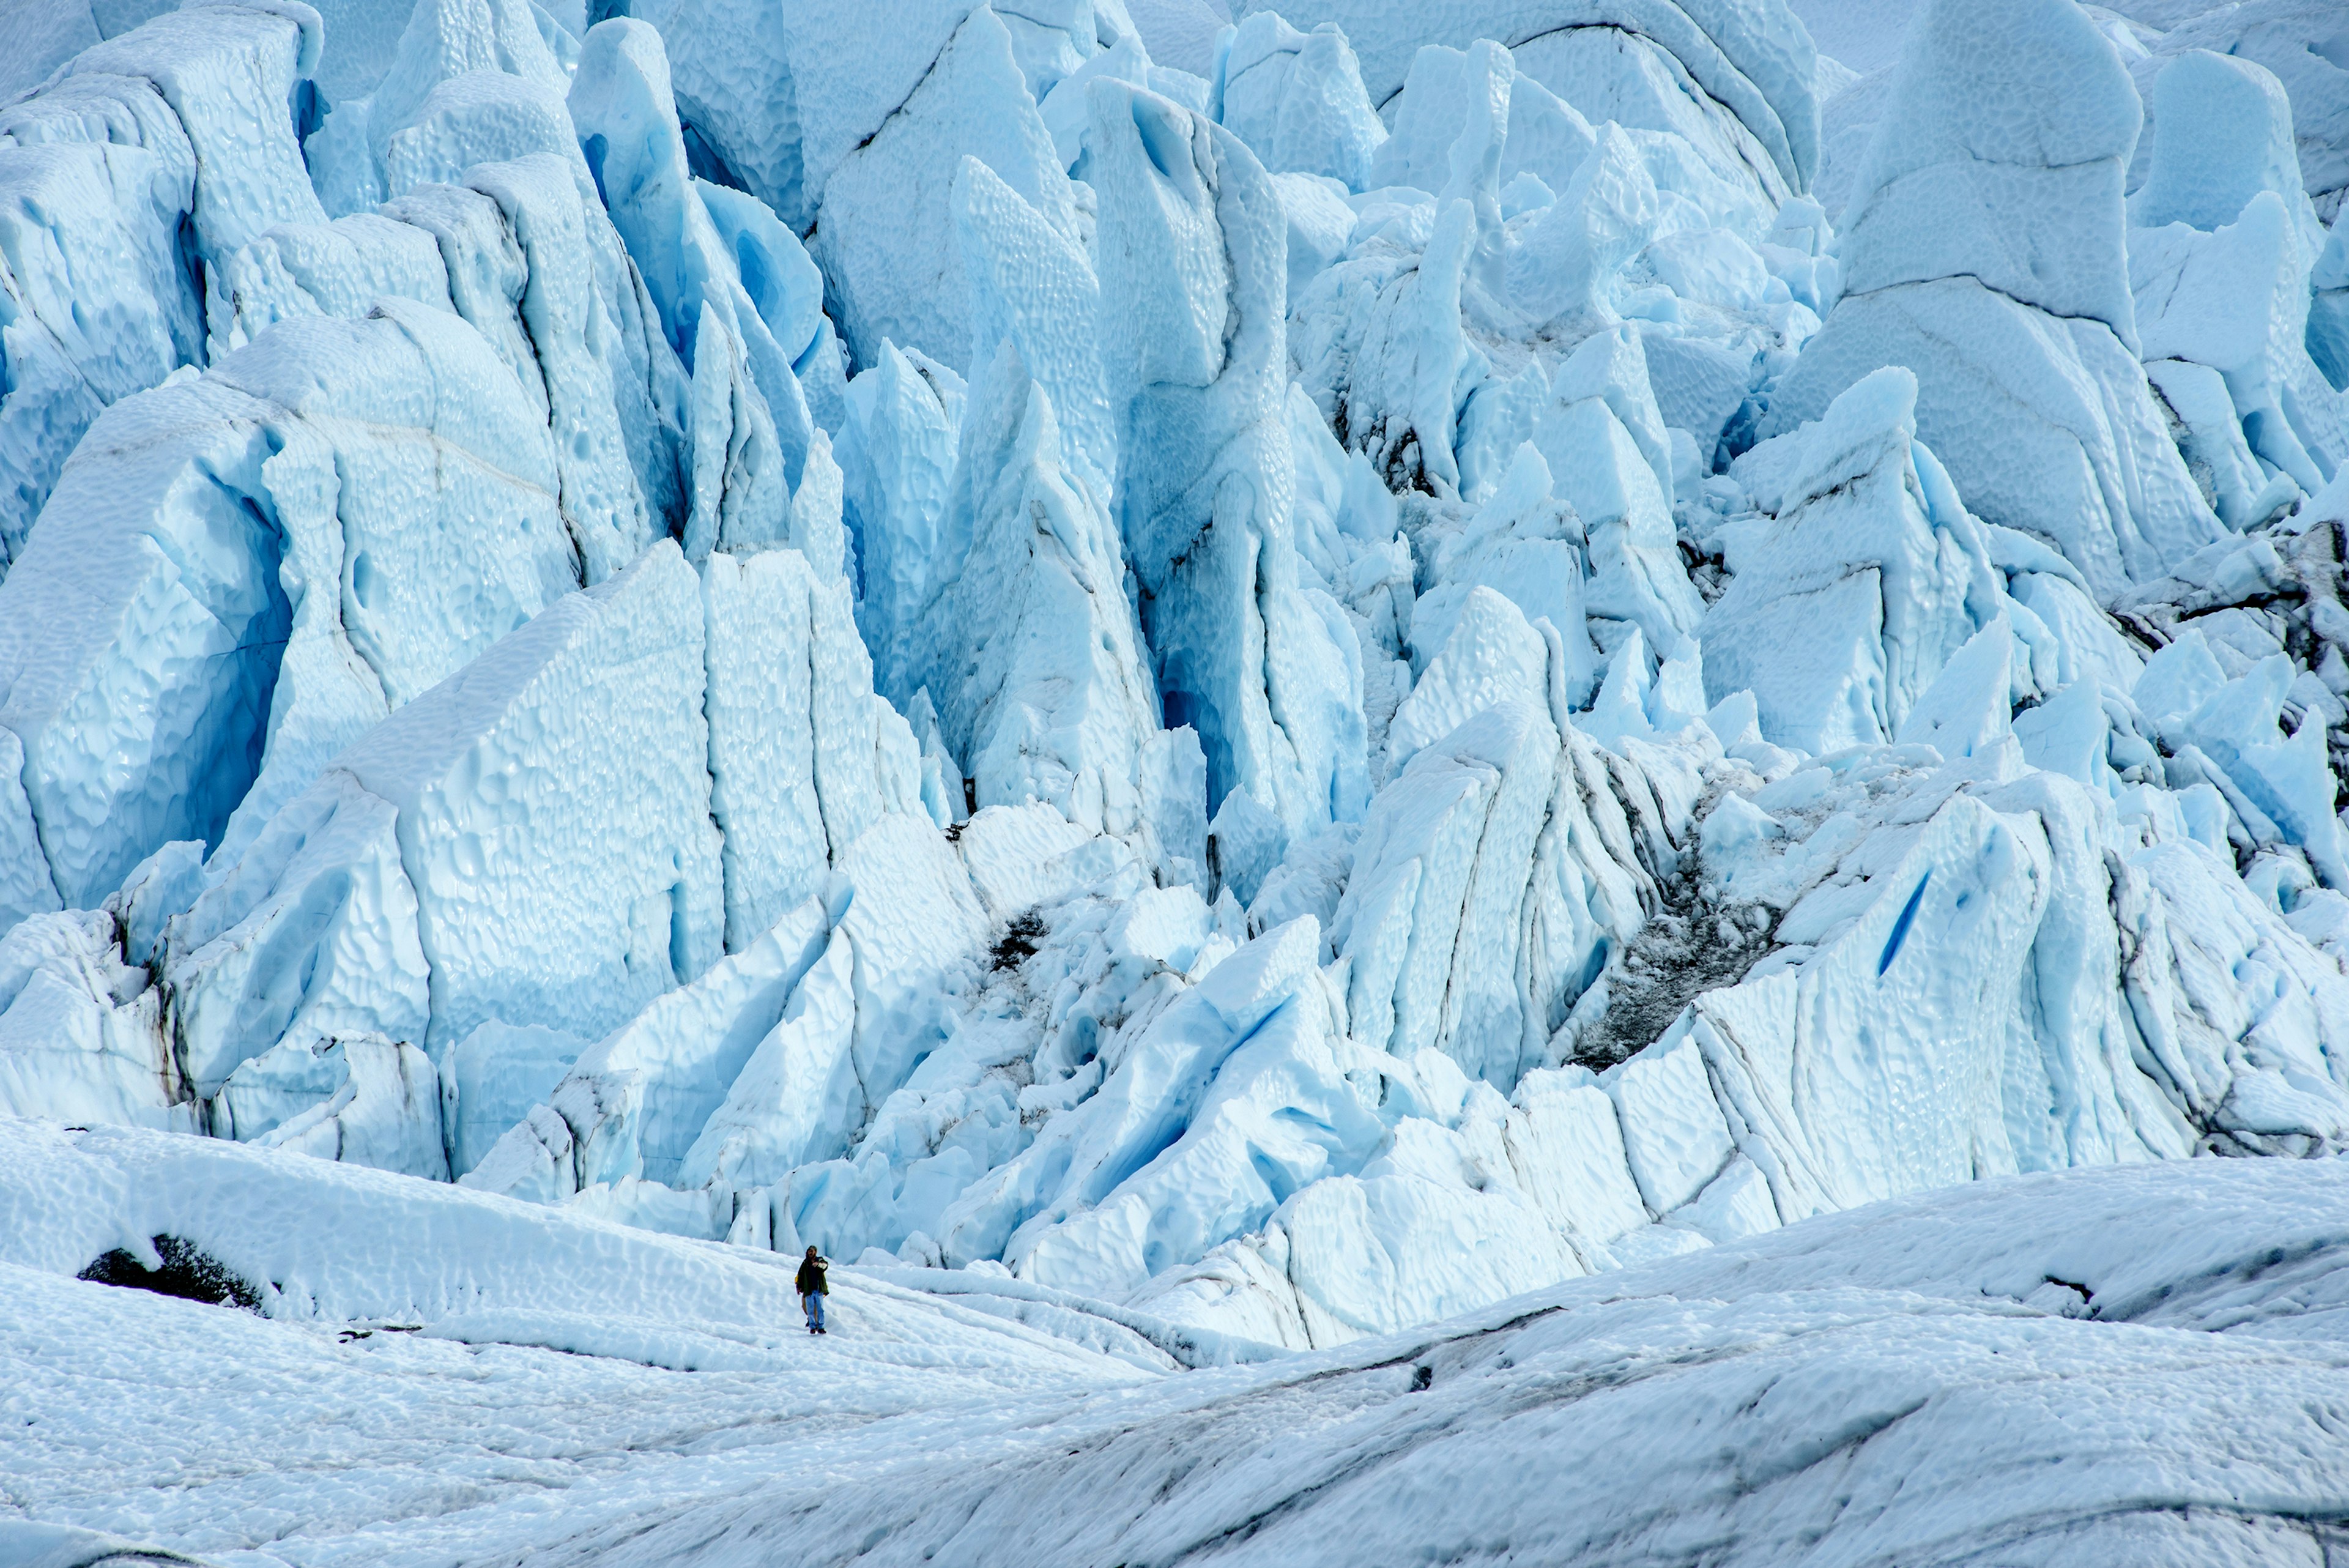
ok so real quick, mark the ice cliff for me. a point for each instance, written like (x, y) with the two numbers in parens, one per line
(1412, 652)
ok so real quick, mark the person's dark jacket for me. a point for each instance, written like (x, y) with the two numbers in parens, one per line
(811, 1278)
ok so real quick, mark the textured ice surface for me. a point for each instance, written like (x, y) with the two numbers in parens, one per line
(1194, 267)
(1191, 696)
(733, 288)
(1889, 1374)
(1754, 60)
(886, 232)
(1298, 100)
(1045, 692)
(1988, 170)
(2296, 40)
(1859, 592)
(1910, 1367)
(139, 150)
(2018, 320)
(253, 566)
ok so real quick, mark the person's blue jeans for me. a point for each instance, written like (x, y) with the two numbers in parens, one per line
(812, 1304)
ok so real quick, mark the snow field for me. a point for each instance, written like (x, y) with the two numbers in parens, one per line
(2117, 1365)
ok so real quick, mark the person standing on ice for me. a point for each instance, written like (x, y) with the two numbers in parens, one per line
(814, 1288)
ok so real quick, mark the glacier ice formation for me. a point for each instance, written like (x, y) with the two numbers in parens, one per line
(1278, 682)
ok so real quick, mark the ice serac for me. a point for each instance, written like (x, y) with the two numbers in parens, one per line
(1110, 1193)
(1889, 892)
(1391, 365)
(541, 827)
(2287, 781)
(1032, 286)
(339, 268)
(796, 1097)
(1736, 78)
(1541, 134)
(736, 1094)
(849, 79)
(144, 150)
(1835, 1045)
(615, 452)
(1605, 445)
(784, 99)
(2105, 1073)
(1297, 99)
(897, 1108)
(245, 573)
(1985, 253)
(2236, 301)
(1291, 1106)
(2298, 42)
(1043, 684)
(885, 232)
(1565, 267)
(897, 459)
(738, 300)
(638, 1100)
(215, 64)
(1487, 656)
(515, 288)
(537, 269)
(2223, 260)
(2248, 1077)
(1867, 582)
(731, 67)
(1434, 914)
(1498, 874)
(469, 81)
(1193, 258)
(722, 726)
(370, 519)
(2222, 134)
(2005, 162)
(1524, 545)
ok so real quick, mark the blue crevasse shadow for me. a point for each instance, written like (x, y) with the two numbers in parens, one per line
(1900, 927)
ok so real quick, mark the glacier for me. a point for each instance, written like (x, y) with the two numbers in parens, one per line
(419, 1386)
(1275, 710)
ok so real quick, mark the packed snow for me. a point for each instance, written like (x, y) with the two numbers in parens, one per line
(1191, 682)
(2135, 1364)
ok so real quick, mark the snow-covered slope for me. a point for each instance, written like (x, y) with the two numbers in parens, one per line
(1272, 674)
(2129, 1366)
(440, 1370)
(2122, 1366)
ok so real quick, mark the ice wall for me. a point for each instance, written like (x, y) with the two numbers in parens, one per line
(885, 231)
(167, 144)
(1398, 677)
(1739, 77)
(1861, 591)
(1194, 265)
(1985, 251)
(251, 569)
